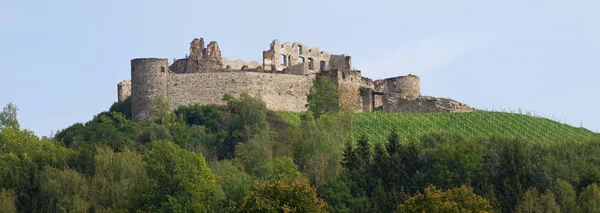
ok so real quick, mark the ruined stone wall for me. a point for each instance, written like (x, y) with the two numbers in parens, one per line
(339, 62)
(394, 102)
(409, 85)
(148, 81)
(302, 59)
(200, 59)
(280, 92)
(366, 90)
(239, 64)
(179, 65)
(123, 90)
(349, 83)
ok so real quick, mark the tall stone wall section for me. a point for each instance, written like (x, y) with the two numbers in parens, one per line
(123, 90)
(409, 85)
(349, 83)
(280, 92)
(148, 81)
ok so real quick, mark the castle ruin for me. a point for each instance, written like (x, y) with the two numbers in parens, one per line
(283, 79)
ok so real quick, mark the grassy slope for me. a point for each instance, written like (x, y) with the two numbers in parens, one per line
(481, 123)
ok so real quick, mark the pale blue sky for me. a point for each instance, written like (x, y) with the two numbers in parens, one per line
(61, 60)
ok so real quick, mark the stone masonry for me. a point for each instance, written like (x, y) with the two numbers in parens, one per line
(283, 80)
(124, 90)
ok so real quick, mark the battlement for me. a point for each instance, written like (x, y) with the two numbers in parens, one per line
(283, 79)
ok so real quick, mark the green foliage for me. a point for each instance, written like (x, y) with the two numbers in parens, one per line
(213, 117)
(507, 168)
(285, 169)
(64, 191)
(106, 129)
(451, 160)
(248, 117)
(277, 196)
(318, 149)
(235, 182)
(8, 117)
(378, 178)
(7, 201)
(161, 111)
(256, 156)
(459, 199)
(324, 97)
(119, 178)
(180, 181)
(123, 107)
(589, 199)
(566, 197)
(358, 162)
(538, 203)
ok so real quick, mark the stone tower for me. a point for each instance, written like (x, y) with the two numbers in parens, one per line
(148, 81)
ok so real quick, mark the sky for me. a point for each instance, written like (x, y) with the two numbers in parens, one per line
(62, 60)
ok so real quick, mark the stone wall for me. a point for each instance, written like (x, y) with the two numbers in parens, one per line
(409, 85)
(349, 83)
(123, 90)
(340, 62)
(394, 102)
(311, 60)
(280, 92)
(201, 59)
(239, 64)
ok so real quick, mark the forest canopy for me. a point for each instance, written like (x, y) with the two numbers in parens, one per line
(241, 157)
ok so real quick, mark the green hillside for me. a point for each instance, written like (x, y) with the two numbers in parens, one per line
(470, 125)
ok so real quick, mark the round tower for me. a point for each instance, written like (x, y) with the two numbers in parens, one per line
(148, 81)
(409, 85)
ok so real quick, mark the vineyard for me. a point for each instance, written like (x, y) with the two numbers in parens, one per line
(377, 126)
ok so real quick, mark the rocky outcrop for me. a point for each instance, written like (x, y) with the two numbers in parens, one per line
(423, 104)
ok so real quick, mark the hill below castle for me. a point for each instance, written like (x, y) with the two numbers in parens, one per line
(377, 126)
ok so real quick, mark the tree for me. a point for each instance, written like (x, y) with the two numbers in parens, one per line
(277, 196)
(118, 180)
(7, 201)
(256, 156)
(508, 168)
(533, 202)
(318, 150)
(248, 118)
(285, 169)
(161, 111)
(64, 191)
(451, 160)
(324, 97)
(458, 199)
(180, 181)
(8, 117)
(123, 107)
(589, 199)
(235, 182)
(566, 197)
